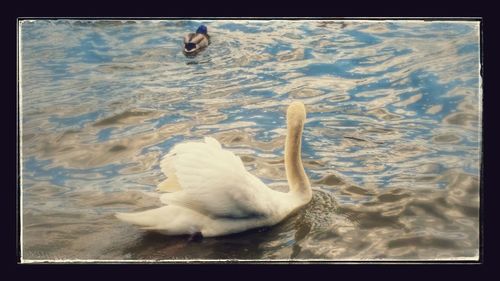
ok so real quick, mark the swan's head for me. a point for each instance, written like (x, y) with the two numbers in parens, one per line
(296, 114)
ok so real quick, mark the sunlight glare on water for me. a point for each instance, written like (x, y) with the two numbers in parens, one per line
(392, 143)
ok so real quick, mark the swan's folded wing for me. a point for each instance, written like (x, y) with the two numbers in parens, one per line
(215, 182)
(171, 184)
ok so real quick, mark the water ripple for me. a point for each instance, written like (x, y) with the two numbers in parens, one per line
(391, 144)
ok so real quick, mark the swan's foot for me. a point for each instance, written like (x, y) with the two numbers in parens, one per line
(195, 237)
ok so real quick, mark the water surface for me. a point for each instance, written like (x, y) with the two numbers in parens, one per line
(392, 142)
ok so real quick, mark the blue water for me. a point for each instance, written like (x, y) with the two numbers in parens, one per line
(391, 144)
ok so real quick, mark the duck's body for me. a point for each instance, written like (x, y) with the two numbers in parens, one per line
(211, 192)
(195, 42)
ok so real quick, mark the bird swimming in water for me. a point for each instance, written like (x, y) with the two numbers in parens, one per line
(210, 193)
(195, 42)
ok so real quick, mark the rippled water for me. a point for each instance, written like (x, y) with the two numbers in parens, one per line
(392, 143)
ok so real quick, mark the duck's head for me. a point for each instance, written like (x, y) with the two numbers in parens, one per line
(202, 29)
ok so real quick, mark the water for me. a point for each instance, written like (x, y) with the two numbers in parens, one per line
(392, 143)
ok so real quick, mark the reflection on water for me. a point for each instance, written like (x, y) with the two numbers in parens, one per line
(391, 144)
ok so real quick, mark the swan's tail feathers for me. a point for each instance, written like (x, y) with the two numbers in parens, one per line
(149, 218)
(170, 220)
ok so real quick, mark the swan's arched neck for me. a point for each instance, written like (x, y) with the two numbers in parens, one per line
(298, 181)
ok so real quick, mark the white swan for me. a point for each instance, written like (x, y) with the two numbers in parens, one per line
(212, 194)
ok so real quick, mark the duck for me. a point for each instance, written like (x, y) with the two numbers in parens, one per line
(195, 42)
(208, 192)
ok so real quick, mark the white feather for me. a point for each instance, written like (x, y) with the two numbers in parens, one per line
(210, 191)
(215, 182)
